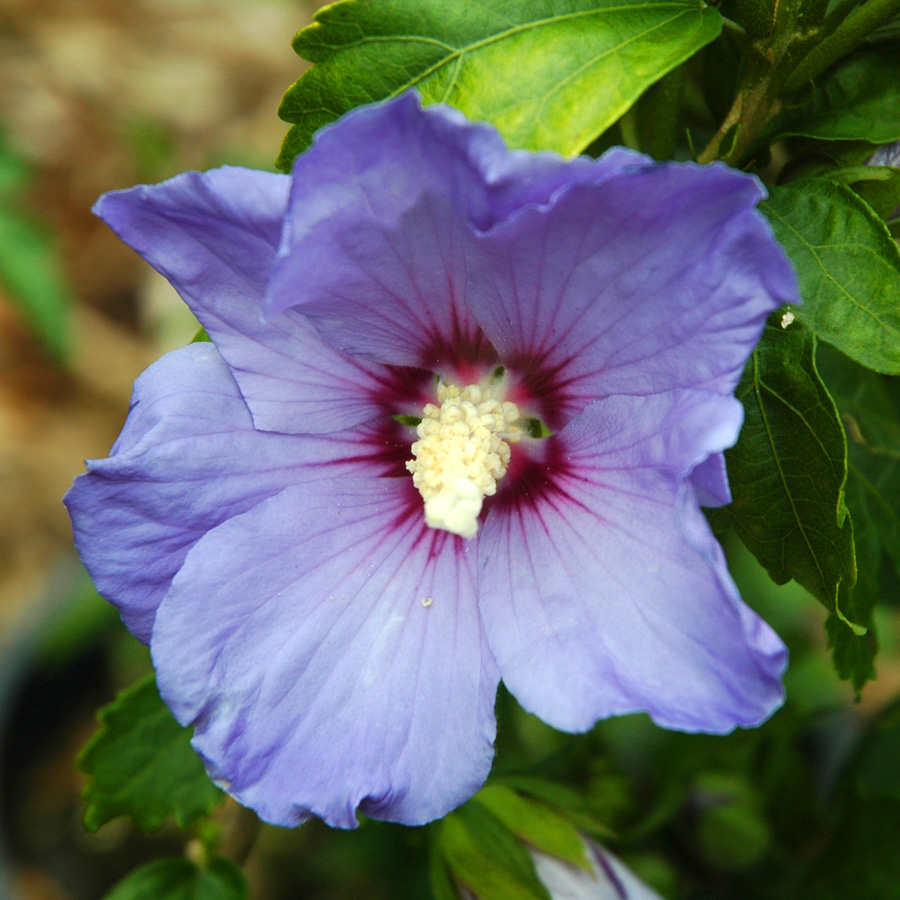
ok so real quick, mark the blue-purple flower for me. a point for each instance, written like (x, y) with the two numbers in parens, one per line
(261, 520)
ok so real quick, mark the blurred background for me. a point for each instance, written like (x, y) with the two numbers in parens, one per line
(97, 95)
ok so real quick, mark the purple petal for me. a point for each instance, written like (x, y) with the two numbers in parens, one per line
(658, 278)
(328, 648)
(519, 178)
(710, 482)
(885, 155)
(187, 460)
(377, 242)
(608, 878)
(603, 590)
(213, 235)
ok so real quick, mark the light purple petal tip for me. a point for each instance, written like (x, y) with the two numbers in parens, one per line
(188, 459)
(655, 278)
(214, 235)
(604, 592)
(378, 247)
(357, 678)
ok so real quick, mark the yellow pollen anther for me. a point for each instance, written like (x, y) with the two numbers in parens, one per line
(461, 454)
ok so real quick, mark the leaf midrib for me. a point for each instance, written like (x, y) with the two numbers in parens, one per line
(758, 385)
(456, 54)
(502, 35)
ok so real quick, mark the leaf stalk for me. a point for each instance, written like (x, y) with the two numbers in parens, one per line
(847, 36)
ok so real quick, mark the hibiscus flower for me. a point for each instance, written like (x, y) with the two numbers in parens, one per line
(458, 416)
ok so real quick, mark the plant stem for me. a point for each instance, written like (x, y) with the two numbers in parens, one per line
(841, 10)
(665, 110)
(753, 107)
(859, 23)
(756, 102)
(755, 16)
(812, 12)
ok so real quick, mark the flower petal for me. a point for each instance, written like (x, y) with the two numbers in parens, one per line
(377, 243)
(328, 649)
(187, 460)
(604, 592)
(658, 278)
(608, 878)
(213, 235)
(710, 481)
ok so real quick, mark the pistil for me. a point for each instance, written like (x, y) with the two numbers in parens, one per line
(461, 454)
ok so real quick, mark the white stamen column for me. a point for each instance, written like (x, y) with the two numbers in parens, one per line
(461, 454)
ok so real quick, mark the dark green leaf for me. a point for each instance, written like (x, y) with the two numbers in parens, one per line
(862, 859)
(858, 173)
(857, 100)
(485, 856)
(882, 194)
(848, 268)
(788, 469)
(873, 495)
(535, 823)
(550, 74)
(731, 831)
(853, 654)
(177, 878)
(141, 764)
(877, 772)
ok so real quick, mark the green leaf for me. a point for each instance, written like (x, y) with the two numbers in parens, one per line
(31, 274)
(882, 194)
(873, 496)
(877, 773)
(535, 824)
(848, 269)
(177, 878)
(485, 856)
(14, 173)
(731, 831)
(29, 265)
(549, 74)
(853, 647)
(853, 654)
(788, 469)
(442, 887)
(141, 764)
(861, 860)
(857, 100)
(569, 802)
